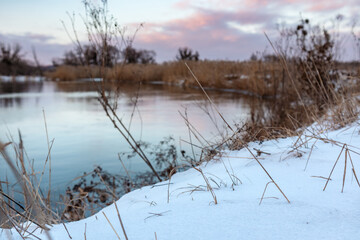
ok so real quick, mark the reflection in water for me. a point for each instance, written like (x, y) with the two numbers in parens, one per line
(20, 87)
(84, 137)
(12, 93)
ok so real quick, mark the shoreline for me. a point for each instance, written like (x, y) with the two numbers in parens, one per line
(192, 214)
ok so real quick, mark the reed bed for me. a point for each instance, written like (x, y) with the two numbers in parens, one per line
(255, 77)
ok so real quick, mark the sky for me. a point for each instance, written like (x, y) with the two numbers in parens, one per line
(217, 29)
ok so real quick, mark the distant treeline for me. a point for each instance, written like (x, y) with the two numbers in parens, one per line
(13, 62)
(109, 56)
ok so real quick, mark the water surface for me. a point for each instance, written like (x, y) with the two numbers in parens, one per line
(83, 135)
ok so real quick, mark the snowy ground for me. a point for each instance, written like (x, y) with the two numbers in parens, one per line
(192, 214)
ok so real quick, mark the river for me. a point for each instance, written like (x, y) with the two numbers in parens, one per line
(83, 137)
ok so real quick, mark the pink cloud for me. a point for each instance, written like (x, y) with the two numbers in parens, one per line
(207, 27)
(321, 6)
(155, 37)
(194, 22)
(324, 7)
(317, 6)
(182, 4)
(257, 3)
(269, 5)
(208, 32)
(220, 34)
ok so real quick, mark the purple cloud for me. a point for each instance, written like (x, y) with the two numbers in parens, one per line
(45, 50)
(218, 29)
(218, 34)
(230, 29)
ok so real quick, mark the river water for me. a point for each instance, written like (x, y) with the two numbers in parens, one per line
(83, 137)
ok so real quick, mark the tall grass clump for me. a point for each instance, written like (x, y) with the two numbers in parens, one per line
(307, 89)
(24, 204)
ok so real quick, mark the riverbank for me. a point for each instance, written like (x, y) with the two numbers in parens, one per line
(260, 78)
(184, 208)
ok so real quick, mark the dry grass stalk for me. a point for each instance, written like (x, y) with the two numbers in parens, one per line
(85, 232)
(336, 143)
(344, 176)
(122, 129)
(121, 223)
(14, 225)
(328, 179)
(67, 231)
(353, 169)
(231, 176)
(35, 211)
(262, 196)
(49, 154)
(286, 67)
(189, 131)
(192, 129)
(212, 103)
(267, 173)
(311, 150)
(209, 188)
(156, 214)
(170, 175)
(126, 171)
(321, 177)
(117, 235)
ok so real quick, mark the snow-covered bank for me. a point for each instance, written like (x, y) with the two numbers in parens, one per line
(192, 214)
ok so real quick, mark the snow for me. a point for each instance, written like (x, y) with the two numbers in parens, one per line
(192, 214)
(21, 79)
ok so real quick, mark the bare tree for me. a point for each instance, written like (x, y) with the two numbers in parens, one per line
(132, 55)
(186, 53)
(12, 60)
(89, 55)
